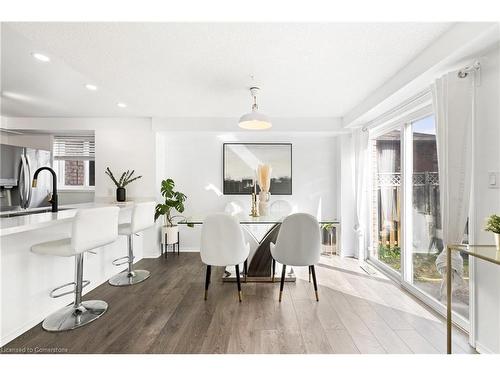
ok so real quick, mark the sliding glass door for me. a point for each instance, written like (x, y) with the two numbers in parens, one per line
(405, 220)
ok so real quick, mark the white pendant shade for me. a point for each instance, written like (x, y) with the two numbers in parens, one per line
(254, 121)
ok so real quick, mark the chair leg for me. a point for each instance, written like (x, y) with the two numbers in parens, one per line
(245, 269)
(178, 244)
(238, 281)
(309, 273)
(166, 246)
(282, 283)
(313, 272)
(274, 270)
(207, 281)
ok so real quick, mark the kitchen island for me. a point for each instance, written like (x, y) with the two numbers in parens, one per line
(26, 279)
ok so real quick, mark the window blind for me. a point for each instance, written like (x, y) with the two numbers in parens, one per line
(74, 147)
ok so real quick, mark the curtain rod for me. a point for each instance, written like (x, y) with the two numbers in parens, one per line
(464, 72)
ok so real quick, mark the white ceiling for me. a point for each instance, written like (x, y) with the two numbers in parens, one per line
(202, 70)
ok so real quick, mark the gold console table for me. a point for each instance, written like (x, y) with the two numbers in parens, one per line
(484, 252)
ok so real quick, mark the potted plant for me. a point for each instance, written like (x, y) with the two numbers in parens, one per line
(125, 179)
(174, 200)
(493, 225)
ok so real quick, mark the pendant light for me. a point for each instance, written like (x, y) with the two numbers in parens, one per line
(254, 120)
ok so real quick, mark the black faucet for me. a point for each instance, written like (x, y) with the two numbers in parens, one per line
(53, 200)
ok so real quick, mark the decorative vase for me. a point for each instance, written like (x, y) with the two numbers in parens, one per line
(264, 198)
(497, 240)
(121, 194)
(170, 232)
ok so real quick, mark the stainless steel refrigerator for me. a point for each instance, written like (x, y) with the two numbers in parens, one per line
(18, 165)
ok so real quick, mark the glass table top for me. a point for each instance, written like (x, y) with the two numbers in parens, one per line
(247, 219)
(488, 253)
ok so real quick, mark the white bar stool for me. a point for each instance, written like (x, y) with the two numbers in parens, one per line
(92, 228)
(142, 218)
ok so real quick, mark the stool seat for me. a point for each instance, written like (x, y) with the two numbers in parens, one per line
(125, 229)
(60, 248)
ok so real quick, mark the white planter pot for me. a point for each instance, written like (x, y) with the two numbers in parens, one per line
(497, 240)
(170, 234)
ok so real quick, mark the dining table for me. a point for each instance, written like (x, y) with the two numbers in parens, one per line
(259, 262)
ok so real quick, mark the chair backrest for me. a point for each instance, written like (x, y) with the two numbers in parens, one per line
(94, 227)
(299, 241)
(233, 208)
(143, 216)
(280, 207)
(222, 242)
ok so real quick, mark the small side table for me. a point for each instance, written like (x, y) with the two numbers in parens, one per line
(488, 253)
(165, 244)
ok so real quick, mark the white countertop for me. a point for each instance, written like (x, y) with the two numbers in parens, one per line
(17, 224)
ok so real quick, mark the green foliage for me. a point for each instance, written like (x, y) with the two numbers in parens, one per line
(390, 255)
(328, 226)
(174, 200)
(493, 224)
(125, 179)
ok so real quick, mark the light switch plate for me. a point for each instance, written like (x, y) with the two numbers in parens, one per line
(494, 180)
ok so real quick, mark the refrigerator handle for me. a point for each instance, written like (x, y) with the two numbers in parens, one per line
(22, 182)
(29, 188)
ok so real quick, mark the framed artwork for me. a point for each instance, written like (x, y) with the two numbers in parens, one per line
(240, 161)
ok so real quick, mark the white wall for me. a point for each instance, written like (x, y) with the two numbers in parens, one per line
(194, 161)
(486, 201)
(127, 145)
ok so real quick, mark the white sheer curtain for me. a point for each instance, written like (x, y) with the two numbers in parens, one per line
(360, 139)
(387, 165)
(453, 101)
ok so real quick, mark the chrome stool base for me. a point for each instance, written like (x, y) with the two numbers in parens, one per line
(71, 317)
(126, 278)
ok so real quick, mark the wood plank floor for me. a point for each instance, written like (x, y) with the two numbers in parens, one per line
(357, 313)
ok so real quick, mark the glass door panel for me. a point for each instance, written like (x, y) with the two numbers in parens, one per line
(426, 234)
(386, 199)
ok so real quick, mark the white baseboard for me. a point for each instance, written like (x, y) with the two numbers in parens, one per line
(482, 349)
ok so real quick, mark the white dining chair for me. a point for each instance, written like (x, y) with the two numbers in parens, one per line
(222, 244)
(298, 244)
(280, 207)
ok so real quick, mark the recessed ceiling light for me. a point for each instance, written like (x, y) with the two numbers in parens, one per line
(40, 57)
(121, 105)
(91, 87)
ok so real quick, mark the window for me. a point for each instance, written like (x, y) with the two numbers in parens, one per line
(74, 161)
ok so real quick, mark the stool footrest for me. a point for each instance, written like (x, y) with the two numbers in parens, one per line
(122, 260)
(53, 291)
